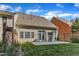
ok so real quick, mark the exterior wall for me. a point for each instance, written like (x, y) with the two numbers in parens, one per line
(64, 30)
(10, 22)
(1, 28)
(35, 35)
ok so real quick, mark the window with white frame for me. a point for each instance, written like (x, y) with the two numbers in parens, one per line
(27, 34)
(21, 34)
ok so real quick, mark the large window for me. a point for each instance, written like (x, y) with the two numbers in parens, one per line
(27, 34)
(21, 34)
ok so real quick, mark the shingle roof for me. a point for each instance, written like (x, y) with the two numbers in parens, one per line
(31, 20)
(6, 13)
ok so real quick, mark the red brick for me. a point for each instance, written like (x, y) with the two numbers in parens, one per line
(64, 30)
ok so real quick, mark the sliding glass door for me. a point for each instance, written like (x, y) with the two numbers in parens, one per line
(41, 35)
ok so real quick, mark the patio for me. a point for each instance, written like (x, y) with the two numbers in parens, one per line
(48, 43)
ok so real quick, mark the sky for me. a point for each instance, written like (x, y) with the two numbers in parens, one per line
(66, 11)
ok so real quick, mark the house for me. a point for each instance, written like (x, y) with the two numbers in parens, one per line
(27, 28)
(64, 29)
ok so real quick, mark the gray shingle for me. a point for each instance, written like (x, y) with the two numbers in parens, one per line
(31, 20)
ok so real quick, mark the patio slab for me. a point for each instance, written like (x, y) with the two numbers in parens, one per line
(49, 43)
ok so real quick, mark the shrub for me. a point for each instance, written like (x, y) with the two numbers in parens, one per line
(75, 40)
(26, 47)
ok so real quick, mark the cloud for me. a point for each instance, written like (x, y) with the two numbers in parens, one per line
(59, 14)
(5, 7)
(76, 5)
(59, 5)
(65, 15)
(33, 11)
(51, 14)
(71, 15)
(18, 8)
(10, 8)
(75, 15)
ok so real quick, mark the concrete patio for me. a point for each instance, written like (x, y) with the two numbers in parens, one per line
(49, 43)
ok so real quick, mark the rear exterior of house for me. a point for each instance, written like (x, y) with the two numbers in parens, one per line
(28, 28)
(64, 30)
(34, 29)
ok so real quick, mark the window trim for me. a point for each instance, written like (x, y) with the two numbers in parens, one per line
(32, 35)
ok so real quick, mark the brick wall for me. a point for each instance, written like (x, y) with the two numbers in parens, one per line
(64, 30)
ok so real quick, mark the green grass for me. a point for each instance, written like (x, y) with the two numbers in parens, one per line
(52, 50)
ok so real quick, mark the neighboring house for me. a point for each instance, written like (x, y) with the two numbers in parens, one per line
(64, 29)
(28, 28)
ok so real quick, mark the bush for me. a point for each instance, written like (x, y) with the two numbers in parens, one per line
(12, 50)
(26, 47)
(75, 40)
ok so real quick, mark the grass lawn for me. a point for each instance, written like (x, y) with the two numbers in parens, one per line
(53, 50)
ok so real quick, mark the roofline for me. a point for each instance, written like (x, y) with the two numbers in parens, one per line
(20, 13)
(59, 20)
(28, 26)
(6, 13)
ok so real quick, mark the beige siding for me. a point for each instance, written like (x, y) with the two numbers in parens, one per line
(9, 22)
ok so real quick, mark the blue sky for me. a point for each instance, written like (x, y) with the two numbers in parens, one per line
(67, 11)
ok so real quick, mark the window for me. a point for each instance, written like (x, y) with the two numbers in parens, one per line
(21, 34)
(27, 34)
(32, 34)
(4, 19)
(50, 36)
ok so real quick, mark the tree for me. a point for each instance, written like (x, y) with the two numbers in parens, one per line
(75, 25)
